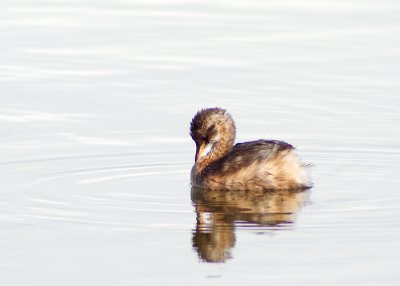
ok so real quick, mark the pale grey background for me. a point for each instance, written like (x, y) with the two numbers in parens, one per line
(95, 103)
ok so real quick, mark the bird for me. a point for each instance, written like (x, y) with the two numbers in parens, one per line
(259, 165)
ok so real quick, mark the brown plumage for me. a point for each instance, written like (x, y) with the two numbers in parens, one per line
(255, 165)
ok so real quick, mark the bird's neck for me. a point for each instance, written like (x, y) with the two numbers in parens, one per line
(220, 149)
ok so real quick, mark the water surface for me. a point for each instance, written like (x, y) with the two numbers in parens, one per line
(95, 104)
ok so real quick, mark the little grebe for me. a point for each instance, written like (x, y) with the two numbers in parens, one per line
(254, 166)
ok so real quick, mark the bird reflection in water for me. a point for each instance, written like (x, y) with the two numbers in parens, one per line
(218, 213)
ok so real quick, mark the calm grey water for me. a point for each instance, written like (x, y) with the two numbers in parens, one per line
(95, 103)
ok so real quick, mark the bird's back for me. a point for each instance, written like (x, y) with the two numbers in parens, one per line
(257, 165)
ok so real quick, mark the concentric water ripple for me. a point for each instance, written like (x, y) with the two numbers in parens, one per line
(107, 196)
